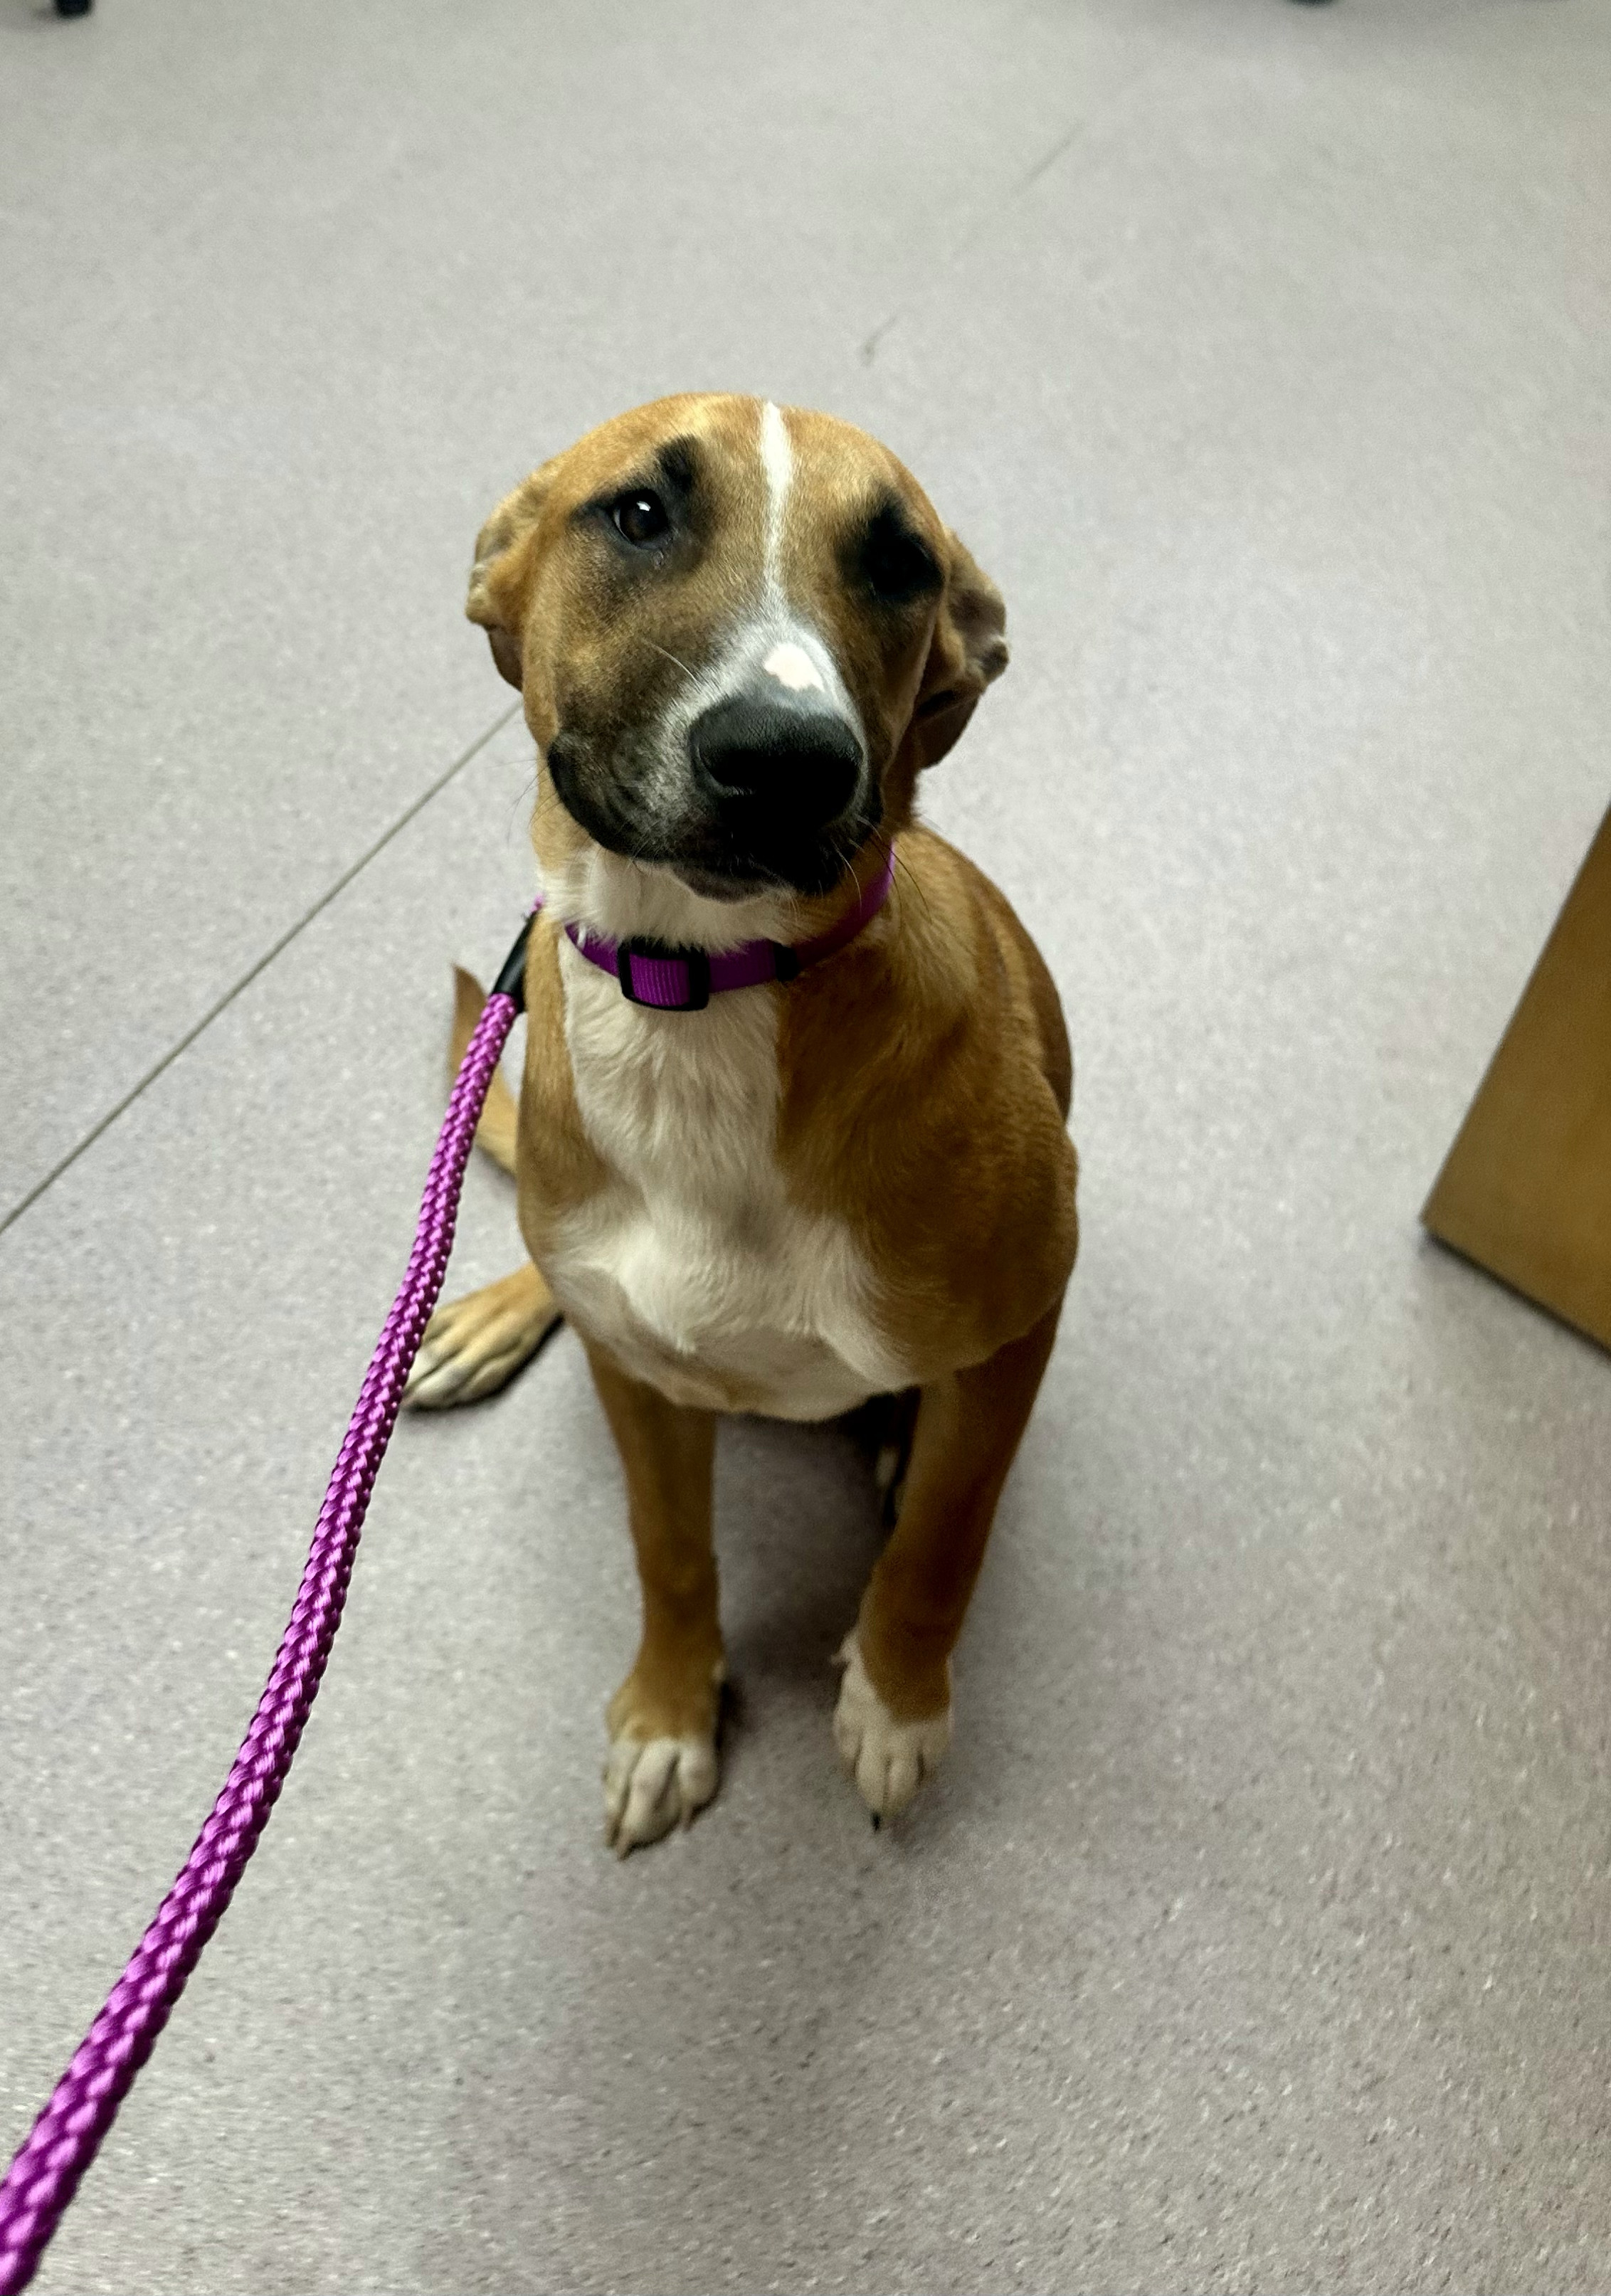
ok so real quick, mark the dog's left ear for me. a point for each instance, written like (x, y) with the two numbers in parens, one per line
(968, 651)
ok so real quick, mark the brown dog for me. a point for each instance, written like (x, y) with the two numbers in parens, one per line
(740, 633)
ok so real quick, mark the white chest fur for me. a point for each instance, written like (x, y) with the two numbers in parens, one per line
(691, 1264)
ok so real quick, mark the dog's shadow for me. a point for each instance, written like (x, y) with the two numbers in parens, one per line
(799, 1525)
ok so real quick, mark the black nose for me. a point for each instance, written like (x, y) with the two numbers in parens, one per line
(795, 765)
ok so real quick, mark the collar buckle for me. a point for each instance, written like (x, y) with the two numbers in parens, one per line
(659, 989)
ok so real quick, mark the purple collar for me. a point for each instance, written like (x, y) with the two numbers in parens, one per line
(684, 980)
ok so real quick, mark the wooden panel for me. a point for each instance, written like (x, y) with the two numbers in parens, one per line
(1526, 1189)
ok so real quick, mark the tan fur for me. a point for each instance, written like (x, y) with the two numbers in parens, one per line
(558, 1167)
(923, 1072)
(924, 1103)
(495, 1133)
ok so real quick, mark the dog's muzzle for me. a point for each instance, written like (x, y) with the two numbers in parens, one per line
(772, 769)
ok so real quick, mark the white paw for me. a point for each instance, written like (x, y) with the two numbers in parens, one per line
(475, 1345)
(651, 1786)
(888, 1759)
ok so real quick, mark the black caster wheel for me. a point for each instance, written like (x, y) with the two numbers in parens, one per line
(74, 7)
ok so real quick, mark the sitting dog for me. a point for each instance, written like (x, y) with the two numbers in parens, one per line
(792, 1130)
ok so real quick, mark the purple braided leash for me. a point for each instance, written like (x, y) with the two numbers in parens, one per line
(44, 2175)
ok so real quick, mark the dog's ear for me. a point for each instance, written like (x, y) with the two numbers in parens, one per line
(498, 579)
(967, 652)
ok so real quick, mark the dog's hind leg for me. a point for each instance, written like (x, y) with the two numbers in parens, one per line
(882, 1428)
(893, 1719)
(475, 1345)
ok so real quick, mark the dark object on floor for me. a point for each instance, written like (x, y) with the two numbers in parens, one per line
(74, 7)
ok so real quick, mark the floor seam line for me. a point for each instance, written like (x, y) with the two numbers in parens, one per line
(261, 965)
(1074, 133)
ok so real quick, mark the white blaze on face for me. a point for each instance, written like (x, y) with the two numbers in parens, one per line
(791, 665)
(778, 459)
(788, 662)
(788, 649)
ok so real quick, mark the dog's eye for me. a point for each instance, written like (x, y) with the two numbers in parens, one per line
(897, 564)
(642, 518)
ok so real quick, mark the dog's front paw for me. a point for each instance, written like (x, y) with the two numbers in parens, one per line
(888, 1759)
(662, 1764)
(652, 1784)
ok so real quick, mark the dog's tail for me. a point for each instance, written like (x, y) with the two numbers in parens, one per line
(496, 1131)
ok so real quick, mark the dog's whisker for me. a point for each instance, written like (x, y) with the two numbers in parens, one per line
(666, 654)
(525, 798)
(907, 874)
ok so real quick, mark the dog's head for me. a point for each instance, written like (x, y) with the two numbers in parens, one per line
(740, 631)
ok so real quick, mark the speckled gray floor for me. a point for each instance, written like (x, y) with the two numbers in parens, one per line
(1258, 1932)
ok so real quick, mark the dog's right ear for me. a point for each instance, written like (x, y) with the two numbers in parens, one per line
(968, 652)
(498, 578)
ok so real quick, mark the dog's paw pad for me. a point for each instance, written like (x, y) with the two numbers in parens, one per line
(652, 1784)
(889, 1759)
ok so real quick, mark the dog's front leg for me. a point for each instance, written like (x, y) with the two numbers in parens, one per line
(893, 1721)
(662, 1719)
